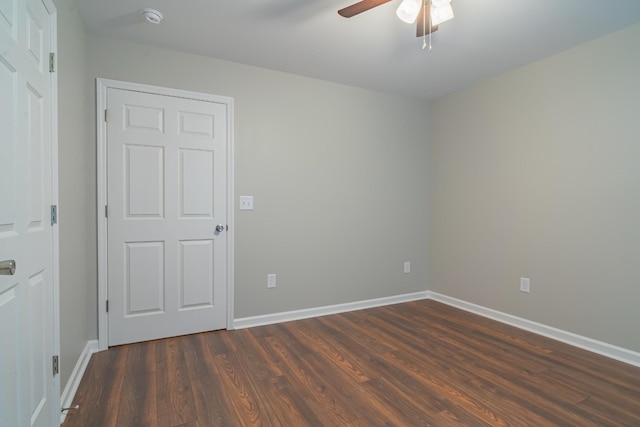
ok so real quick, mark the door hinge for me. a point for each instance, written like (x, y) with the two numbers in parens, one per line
(54, 214)
(52, 62)
(106, 211)
(106, 115)
(107, 306)
(56, 365)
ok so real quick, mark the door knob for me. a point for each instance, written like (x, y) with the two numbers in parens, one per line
(219, 228)
(8, 267)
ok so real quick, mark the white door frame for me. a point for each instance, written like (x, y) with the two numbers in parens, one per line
(102, 85)
(53, 13)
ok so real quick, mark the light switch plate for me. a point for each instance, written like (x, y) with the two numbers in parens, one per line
(246, 203)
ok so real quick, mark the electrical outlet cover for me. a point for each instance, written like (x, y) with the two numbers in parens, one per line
(246, 203)
(271, 281)
(407, 267)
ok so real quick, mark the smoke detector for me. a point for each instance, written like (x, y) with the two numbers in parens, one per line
(152, 16)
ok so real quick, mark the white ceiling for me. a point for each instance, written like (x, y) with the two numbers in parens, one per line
(373, 50)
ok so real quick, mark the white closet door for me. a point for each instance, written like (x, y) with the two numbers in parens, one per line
(166, 192)
(27, 389)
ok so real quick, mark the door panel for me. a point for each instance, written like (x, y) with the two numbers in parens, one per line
(10, 353)
(144, 279)
(28, 393)
(143, 181)
(8, 105)
(196, 183)
(166, 192)
(36, 185)
(196, 274)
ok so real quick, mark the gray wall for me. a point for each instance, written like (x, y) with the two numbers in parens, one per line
(531, 174)
(338, 174)
(535, 173)
(76, 205)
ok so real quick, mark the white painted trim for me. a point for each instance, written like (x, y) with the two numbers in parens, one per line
(55, 237)
(230, 213)
(268, 319)
(101, 222)
(101, 131)
(71, 388)
(585, 343)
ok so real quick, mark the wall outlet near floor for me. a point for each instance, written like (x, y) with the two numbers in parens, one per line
(407, 267)
(524, 284)
(271, 280)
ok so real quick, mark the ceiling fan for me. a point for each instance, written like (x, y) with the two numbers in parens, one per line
(428, 13)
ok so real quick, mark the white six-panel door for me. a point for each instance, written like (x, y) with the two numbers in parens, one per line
(28, 395)
(166, 194)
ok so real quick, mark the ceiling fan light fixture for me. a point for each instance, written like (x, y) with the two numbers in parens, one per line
(441, 14)
(152, 16)
(408, 10)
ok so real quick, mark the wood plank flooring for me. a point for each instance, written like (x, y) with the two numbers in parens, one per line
(414, 364)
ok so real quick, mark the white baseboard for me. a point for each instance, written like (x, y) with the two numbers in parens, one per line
(69, 392)
(268, 319)
(599, 347)
(589, 344)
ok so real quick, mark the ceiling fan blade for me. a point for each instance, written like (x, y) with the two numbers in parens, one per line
(361, 6)
(424, 18)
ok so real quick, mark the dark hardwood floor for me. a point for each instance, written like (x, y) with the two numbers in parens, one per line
(413, 364)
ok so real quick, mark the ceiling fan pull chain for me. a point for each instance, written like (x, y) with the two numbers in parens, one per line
(427, 3)
(424, 31)
(430, 29)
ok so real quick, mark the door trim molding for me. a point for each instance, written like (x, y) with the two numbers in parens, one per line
(102, 85)
(55, 250)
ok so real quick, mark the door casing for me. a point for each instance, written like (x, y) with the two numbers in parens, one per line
(102, 85)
